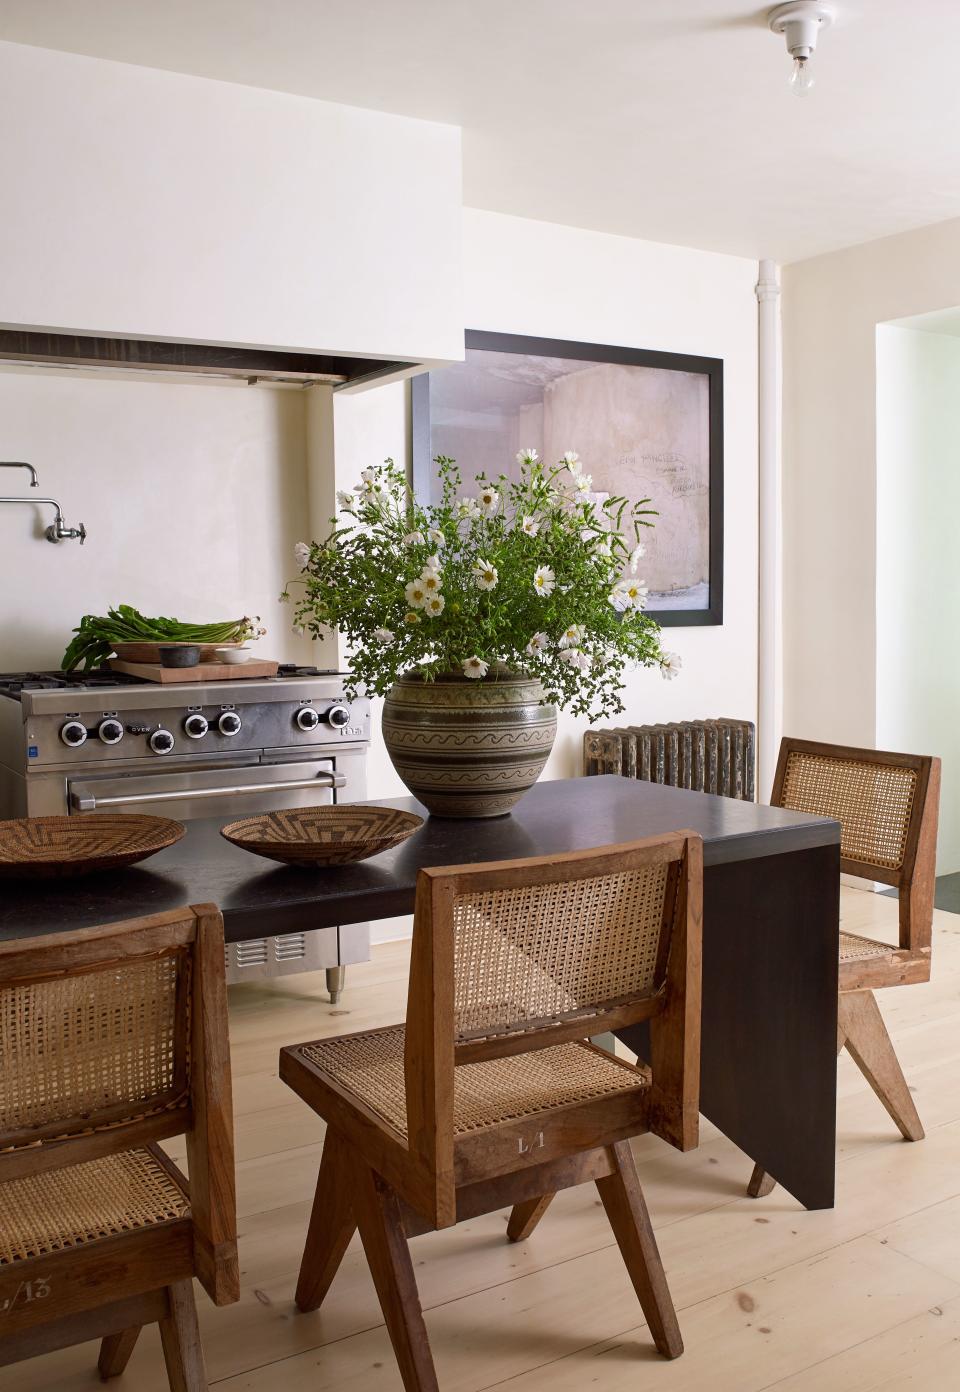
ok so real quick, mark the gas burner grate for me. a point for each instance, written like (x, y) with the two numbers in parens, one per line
(12, 683)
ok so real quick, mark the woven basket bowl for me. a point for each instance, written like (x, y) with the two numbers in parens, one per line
(51, 847)
(322, 835)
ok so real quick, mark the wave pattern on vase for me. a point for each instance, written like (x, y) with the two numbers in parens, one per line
(468, 748)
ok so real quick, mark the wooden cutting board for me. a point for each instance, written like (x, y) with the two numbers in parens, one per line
(203, 672)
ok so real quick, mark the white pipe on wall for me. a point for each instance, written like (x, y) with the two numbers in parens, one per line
(770, 636)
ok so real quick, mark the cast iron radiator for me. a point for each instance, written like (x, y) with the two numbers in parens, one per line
(709, 756)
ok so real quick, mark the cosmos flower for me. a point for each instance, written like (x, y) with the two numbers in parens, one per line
(301, 554)
(416, 593)
(670, 665)
(538, 644)
(475, 667)
(485, 575)
(544, 581)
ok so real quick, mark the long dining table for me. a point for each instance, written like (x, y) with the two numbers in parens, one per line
(770, 932)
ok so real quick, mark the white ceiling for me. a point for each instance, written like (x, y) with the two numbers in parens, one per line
(664, 119)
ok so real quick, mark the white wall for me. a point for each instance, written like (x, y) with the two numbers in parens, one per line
(537, 278)
(193, 496)
(831, 308)
(918, 597)
(157, 205)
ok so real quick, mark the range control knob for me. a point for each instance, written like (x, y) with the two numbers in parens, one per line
(161, 741)
(307, 718)
(110, 731)
(337, 716)
(229, 723)
(73, 734)
(195, 726)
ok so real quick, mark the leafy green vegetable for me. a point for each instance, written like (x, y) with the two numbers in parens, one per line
(96, 636)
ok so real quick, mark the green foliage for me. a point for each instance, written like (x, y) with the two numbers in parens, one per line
(452, 587)
(97, 635)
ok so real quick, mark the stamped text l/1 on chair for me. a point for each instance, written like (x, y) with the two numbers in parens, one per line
(887, 806)
(492, 1096)
(112, 1039)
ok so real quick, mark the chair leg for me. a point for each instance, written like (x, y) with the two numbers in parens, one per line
(525, 1217)
(761, 1184)
(381, 1231)
(115, 1351)
(624, 1203)
(332, 1225)
(180, 1337)
(871, 1050)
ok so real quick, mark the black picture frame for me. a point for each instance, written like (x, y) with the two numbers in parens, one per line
(521, 344)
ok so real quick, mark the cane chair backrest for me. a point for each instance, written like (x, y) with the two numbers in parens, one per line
(114, 1038)
(519, 955)
(887, 807)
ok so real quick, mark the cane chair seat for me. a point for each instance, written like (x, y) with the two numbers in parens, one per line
(856, 949)
(488, 1093)
(81, 1204)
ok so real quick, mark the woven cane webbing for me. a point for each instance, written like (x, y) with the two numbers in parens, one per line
(79, 1204)
(485, 1094)
(854, 949)
(872, 802)
(536, 952)
(72, 1047)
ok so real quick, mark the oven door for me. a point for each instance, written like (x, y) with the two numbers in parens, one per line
(217, 792)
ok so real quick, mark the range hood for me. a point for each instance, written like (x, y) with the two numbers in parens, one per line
(215, 362)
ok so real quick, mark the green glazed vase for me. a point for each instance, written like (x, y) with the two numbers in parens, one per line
(468, 747)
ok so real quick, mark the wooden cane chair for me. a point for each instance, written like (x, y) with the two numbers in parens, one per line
(491, 1095)
(112, 1039)
(887, 806)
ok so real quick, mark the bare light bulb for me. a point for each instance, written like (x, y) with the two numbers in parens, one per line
(801, 78)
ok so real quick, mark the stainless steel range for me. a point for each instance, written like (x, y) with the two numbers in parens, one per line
(72, 743)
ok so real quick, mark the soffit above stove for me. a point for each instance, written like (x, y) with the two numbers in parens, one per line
(214, 362)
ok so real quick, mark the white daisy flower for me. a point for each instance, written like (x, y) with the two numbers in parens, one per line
(574, 657)
(635, 556)
(411, 618)
(435, 536)
(572, 461)
(468, 507)
(670, 665)
(489, 500)
(416, 593)
(528, 456)
(430, 580)
(475, 667)
(368, 476)
(383, 635)
(432, 563)
(538, 644)
(544, 581)
(636, 592)
(301, 554)
(619, 598)
(345, 500)
(485, 575)
(583, 482)
(530, 526)
(571, 637)
(434, 605)
(414, 539)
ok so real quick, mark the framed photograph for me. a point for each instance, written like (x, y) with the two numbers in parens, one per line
(645, 425)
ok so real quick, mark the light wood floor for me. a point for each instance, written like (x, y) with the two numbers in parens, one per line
(861, 1298)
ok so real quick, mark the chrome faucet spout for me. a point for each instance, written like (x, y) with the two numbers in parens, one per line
(58, 530)
(19, 464)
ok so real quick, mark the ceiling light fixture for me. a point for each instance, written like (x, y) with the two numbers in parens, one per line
(801, 22)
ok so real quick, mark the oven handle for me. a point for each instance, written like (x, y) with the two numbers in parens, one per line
(87, 803)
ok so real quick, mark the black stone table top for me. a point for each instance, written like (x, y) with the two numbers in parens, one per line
(259, 899)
